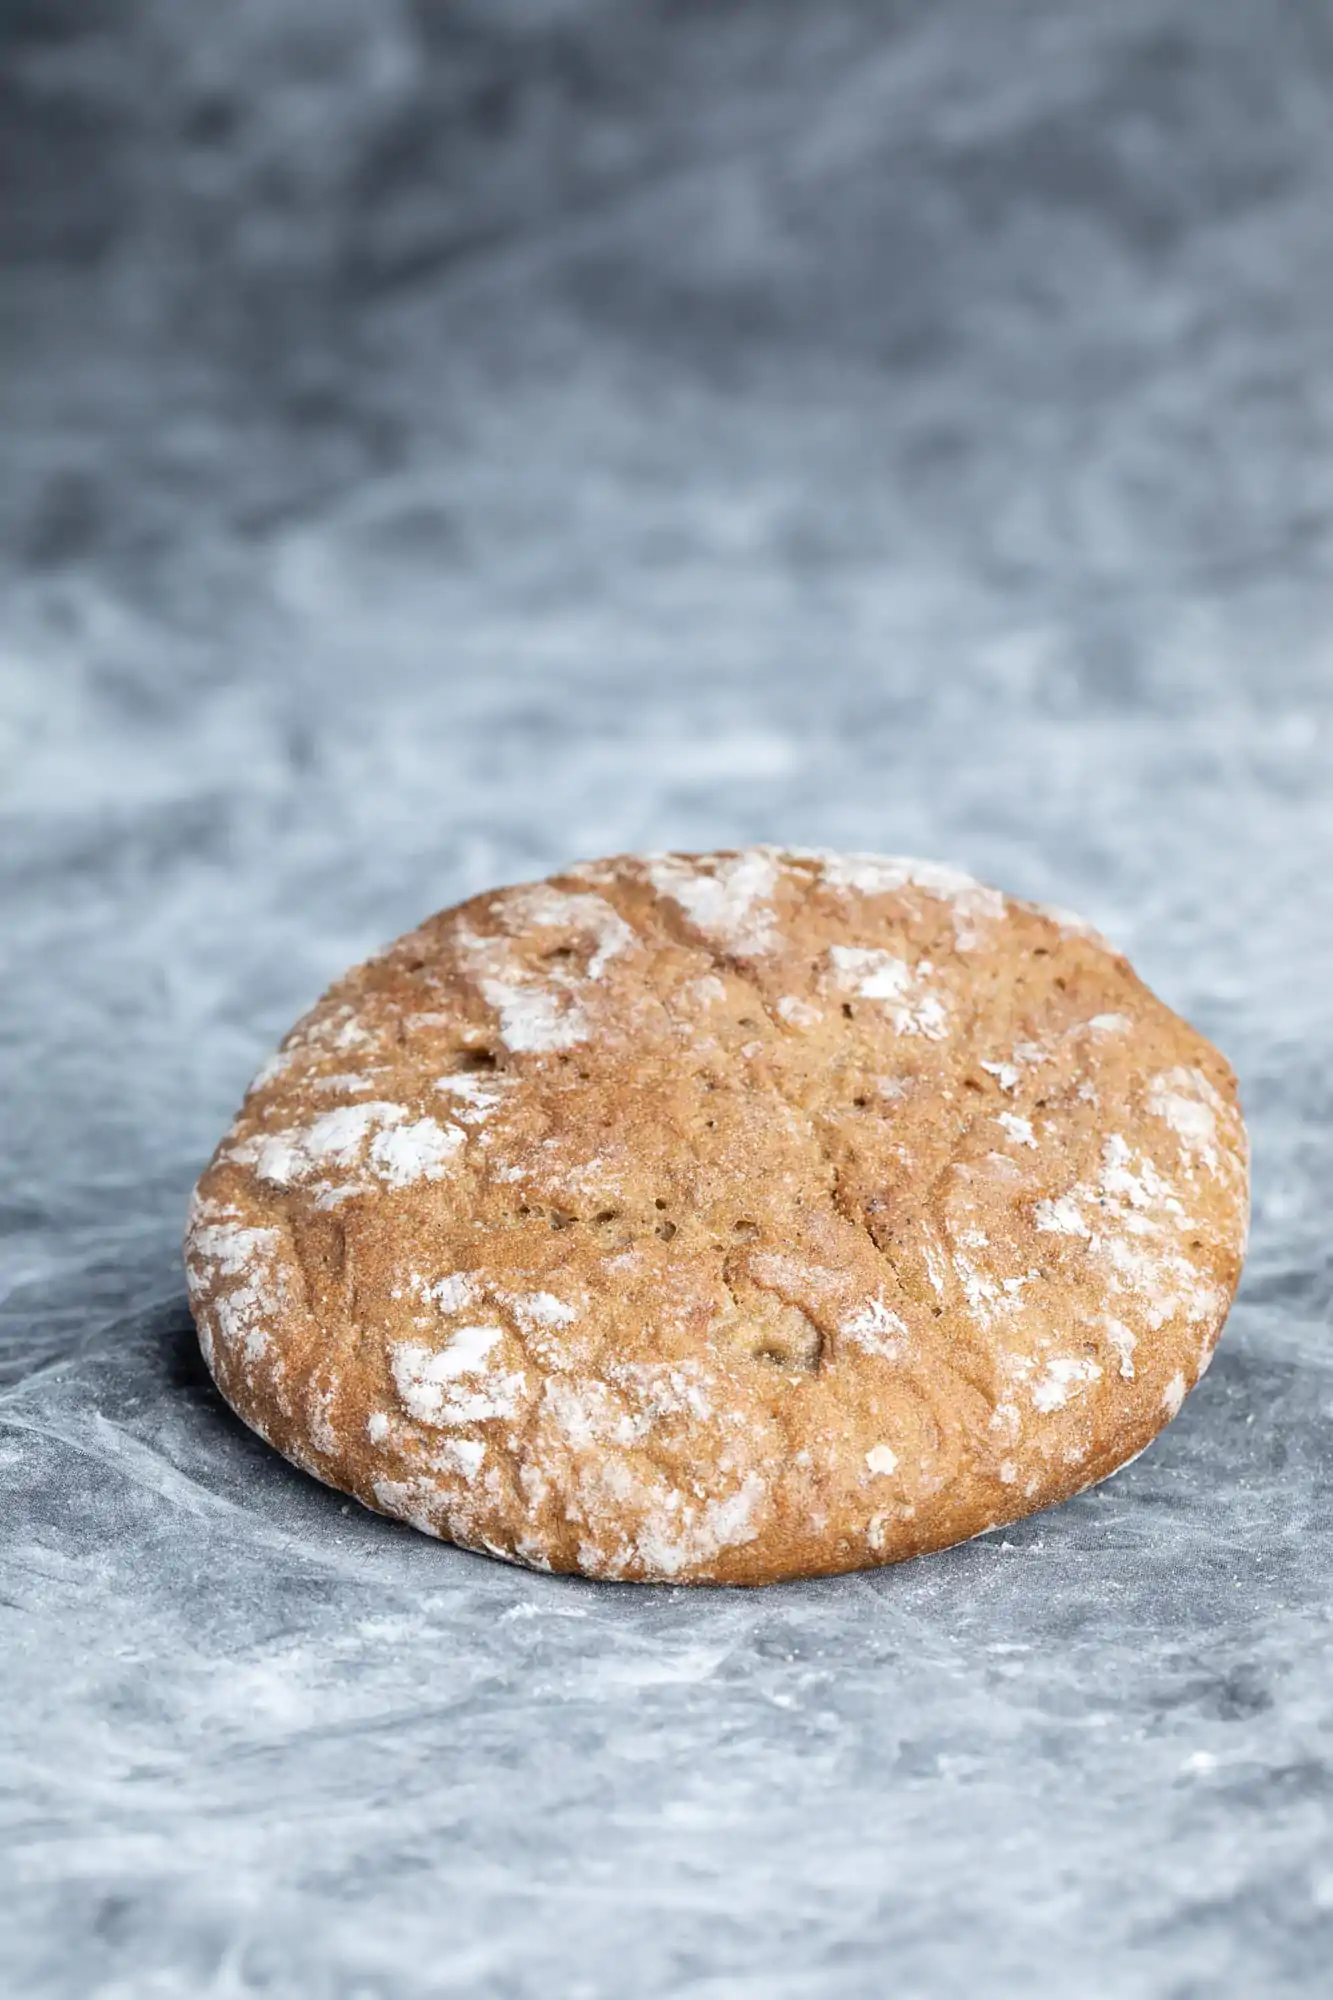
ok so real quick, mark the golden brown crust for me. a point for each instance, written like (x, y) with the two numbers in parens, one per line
(724, 1218)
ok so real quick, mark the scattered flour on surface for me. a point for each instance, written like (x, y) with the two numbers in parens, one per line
(975, 907)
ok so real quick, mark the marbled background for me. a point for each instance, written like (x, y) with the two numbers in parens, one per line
(442, 439)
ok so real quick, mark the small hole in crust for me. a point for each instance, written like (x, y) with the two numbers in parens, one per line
(666, 1230)
(560, 1218)
(746, 1021)
(659, 1203)
(745, 1231)
(561, 954)
(792, 1343)
(860, 1103)
(615, 1230)
(848, 1010)
(478, 1059)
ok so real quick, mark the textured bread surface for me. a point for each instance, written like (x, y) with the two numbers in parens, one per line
(722, 1218)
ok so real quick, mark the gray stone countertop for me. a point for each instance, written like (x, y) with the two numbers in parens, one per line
(442, 444)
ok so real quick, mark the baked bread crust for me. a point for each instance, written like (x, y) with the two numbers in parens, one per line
(724, 1218)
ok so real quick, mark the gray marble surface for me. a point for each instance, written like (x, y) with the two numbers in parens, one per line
(442, 441)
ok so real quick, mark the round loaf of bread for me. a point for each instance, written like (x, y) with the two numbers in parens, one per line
(722, 1218)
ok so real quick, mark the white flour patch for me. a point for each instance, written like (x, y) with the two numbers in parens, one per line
(937, 1264)
(273, 1067)
(1124, 1341)
(346, 1083)
(878, 1329)
(798, 1013)
(420, 1151)
(588, 1415)
(875, 975)
(1070, 922)
(590, 917)
(1139, 1220)
(881, 1460)
(377, 1137)
(708, 991)
(338, 1031)
(668, 1389)
(1062, 1217)
(337, 1137)
(1007, 1420)
(1186, 1101)
(349, 1034)
(456, 1293)
(782, 1272)
(534, 1019)
(414, 1500)
(1161, 1283)
(537, 1310)
(538, 1011)
(731, 903)
(436, 1385)
(1006, 1074)
(222, 1247)
(1063, 1377)
(985, 1301)
(319, 1415)
(1143, 1188)
(1018, 1129)
(1173, 1395)
(478, 1096)
(879, 975)
(674, 1539)
(465, 1455)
